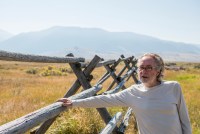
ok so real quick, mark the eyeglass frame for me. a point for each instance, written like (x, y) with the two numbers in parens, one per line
(147, 68)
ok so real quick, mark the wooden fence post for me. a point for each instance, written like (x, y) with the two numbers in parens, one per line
(36, 58)
(124, 123)
(25, 123)
(128, 66)
(85, 84)
(114, 76)
(91, 66)
(44, 127)
(112, 124)
(48, 114)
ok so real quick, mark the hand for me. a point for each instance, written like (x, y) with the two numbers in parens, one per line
(66, 101)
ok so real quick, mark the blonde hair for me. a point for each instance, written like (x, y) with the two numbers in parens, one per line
(159, 62)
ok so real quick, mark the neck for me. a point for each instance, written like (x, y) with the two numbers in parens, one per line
(149, 85)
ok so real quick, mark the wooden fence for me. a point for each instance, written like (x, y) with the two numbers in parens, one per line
(47, 115)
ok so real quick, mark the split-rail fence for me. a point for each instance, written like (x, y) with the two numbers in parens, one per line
(47, 115)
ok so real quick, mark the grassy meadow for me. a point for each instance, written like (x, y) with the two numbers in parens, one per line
(26, 87)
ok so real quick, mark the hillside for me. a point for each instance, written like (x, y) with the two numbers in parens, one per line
(4, 35)
(86, 42)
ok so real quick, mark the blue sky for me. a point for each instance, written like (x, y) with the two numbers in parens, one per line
(175, 20)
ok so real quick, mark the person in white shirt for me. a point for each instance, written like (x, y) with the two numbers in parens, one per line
(158, 105)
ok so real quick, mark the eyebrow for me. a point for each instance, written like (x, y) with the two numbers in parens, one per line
(147, 65)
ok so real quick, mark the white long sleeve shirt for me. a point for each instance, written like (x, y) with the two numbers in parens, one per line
(158, 110)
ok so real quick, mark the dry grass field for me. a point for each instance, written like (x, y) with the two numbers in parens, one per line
(26, 87)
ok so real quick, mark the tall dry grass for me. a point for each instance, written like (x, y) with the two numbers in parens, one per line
(189, 80)
(22, 93)
(26, 87)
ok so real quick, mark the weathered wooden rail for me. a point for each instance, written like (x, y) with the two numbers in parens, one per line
(25, 123)
(111, 124)
(82, 70)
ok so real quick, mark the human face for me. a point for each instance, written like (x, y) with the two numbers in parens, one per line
(148, 71)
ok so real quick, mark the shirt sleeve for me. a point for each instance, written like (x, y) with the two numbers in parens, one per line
(183, 113)
(100, 101)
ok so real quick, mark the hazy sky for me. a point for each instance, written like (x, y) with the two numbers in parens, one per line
(176, 20)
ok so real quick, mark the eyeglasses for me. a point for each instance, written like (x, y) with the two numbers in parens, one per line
(147, 68)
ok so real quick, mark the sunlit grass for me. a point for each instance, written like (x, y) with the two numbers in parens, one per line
(189, 80)
(22, 92)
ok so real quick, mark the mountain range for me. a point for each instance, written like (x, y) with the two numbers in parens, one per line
(86, 42)
(4, 35)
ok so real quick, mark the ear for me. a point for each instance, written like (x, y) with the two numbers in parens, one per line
(158, 73)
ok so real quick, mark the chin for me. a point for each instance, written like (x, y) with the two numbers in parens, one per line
(144, 81)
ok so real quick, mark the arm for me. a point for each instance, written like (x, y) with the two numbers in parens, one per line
(100, 101)
(118, 99)
(183, 114)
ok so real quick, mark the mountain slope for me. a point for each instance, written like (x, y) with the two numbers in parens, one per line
(87, 42)
(4, 35)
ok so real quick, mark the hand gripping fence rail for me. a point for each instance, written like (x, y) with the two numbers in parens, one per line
(47, 115)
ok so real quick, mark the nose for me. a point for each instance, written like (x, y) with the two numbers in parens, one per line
(142, 72)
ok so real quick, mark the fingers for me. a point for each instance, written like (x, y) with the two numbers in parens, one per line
(67, 104)
(62, 100)
(66, 101)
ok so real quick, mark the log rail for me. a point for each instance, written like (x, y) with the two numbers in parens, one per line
(47, 115)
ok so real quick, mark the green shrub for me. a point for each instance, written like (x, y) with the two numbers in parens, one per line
(66, 70)
(32, 71)
(197, 66)
(51, 73)
(50, 67)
